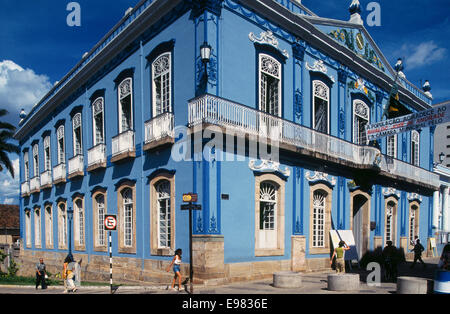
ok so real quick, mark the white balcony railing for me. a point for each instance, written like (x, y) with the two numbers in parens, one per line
(35, 184)
(46, 178)
(25, 188)
(245, 120)
(123, 143)
(59, 173)
(76, 165)
(159, 127)
(97, 155)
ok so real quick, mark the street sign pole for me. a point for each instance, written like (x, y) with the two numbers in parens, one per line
(110, 263)
(191, 271)
(190, 198)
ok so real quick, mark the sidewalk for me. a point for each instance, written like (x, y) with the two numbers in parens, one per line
(313, 283)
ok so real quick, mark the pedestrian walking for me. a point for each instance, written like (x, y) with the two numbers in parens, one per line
(176, 262)
(390, 258)
(68, 274)
(339, 253)
(41, 274)
(418, 249)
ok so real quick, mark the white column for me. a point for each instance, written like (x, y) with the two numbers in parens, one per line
(436, 210)
(445, 211)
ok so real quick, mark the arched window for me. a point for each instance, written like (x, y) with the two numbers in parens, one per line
(99, 209)
(413, 221)
(162, 84)
(26, 166)
(125, 105)
(48, 227)
(321, 101)
(126, 202)
(47, 154)
(36, 160)
(390, 222)
(37, 227)
(61, 145)
(62, 225)
(28, 227)
(269, 215)
(415, 148)
(164, 210)
(77, 135)
(98, 121)
(269, 85)
(79, 218)
(318, 225)
(361, 113)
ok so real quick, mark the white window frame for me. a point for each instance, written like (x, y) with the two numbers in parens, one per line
(361, 112)
(37, 227)
(36, 160)
(318, 219)
(274, 71)
(77, 141)
(321, 91)
(163, 192)
(61, 142)
(28, 227)
(47, 154)
(48, 226)
(128, 208)
(415, 148)
(62, 225)
(125, 90)
(98, 109)
(100, 211)
(389, 151)
(162, 70)
(79, 221)
(26, 166)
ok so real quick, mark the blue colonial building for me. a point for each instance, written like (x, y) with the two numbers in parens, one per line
(260, 108)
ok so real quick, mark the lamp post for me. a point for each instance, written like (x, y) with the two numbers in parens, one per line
(70, 217)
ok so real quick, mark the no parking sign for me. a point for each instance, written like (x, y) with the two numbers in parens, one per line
(110, 222)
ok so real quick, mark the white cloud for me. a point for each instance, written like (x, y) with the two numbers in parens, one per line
(10, 201)
(9, 187)
(20, 88)
(423, 54)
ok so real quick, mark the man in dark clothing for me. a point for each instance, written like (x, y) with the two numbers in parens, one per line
(390, 261)
(418, 249)
(40, 274)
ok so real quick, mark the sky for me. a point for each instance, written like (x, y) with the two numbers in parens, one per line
(38, 47)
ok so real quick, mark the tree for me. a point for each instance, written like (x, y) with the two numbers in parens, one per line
(6, 135)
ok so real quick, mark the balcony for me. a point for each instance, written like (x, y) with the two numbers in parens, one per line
(46, 179)
(25, 189)
(59, 174)
(97, 157)
(123, 146)
(159, 131)
(35, 185)
(244, 121)
(76, 167)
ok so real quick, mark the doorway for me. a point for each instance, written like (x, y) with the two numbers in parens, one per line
(360, 222)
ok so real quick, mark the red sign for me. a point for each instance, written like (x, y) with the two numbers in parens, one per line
(110, 222)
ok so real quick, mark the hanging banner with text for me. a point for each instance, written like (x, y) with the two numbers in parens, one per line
(436, 115)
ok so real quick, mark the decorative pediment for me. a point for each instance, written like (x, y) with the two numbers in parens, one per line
(268, 166)
(414, 197)
(320, 176)
(267, 38)
(319, 66)
(391, 192)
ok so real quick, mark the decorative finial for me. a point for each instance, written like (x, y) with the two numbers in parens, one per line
(22, 114)
(427, 88)
(399, 68)
(355, 12)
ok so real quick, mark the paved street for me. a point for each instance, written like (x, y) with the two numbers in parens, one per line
(313, 283)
